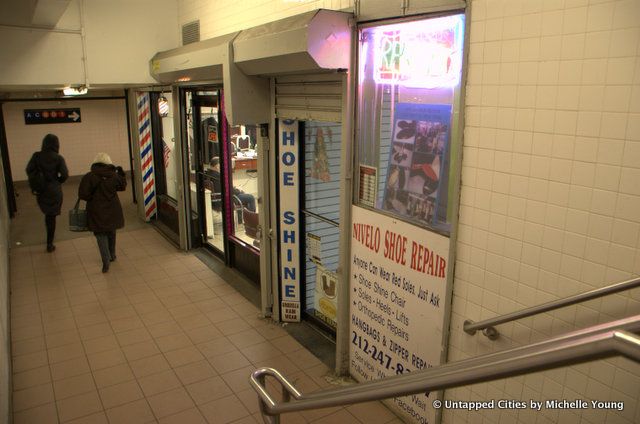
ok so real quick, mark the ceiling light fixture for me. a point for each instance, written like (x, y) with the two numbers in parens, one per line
(74, 91)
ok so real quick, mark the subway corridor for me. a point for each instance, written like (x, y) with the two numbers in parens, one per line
(160, 338)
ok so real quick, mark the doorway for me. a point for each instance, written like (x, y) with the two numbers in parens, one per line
(223, 182)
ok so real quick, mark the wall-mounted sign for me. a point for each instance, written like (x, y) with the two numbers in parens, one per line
(425, 53)
(398, 296)
(289, 221)
(52, 116)
(367, 187)
(325, 301)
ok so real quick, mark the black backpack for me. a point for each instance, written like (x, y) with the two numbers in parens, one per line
(37, 180)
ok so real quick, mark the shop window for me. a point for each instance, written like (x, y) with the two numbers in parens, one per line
(408, 103)
(243, 148)
(322, 150)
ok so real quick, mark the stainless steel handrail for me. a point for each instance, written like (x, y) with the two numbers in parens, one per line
(601, 341)
(487, 326)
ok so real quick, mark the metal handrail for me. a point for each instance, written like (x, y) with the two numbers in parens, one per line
(487, 326)
(601, 341)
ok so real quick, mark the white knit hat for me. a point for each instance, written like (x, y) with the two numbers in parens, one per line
(103, 158)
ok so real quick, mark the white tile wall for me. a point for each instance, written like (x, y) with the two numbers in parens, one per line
(550, 195)
(103, 129)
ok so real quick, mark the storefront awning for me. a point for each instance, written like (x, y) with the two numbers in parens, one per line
(307, 43)
(201, 61)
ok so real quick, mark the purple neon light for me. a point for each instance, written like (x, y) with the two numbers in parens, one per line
(420, 54)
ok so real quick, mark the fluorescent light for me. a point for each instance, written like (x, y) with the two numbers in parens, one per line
(74, 91)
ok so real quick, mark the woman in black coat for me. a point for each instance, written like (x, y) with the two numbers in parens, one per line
(99, 188)
(55, 172)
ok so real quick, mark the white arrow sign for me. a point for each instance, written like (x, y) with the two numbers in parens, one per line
(74, 115)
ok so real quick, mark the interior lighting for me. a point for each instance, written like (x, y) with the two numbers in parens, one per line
(75, 91)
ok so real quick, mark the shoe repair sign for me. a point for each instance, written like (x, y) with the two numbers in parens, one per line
(399, 294)
(52, 116)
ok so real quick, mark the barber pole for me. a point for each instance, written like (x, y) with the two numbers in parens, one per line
(146, 155)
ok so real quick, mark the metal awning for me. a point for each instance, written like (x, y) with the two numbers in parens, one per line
(312, 42)
(201, 61)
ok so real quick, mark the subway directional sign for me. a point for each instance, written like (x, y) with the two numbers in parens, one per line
(52, 116)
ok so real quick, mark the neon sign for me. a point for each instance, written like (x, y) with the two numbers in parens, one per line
(425, 53)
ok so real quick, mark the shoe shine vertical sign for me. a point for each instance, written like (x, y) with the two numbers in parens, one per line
(289, 215)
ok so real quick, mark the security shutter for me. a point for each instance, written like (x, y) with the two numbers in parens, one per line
(315, 97)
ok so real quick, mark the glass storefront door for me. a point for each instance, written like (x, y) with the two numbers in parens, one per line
(206, 187)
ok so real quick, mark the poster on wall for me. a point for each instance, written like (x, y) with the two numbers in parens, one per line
(289, 211)
(398, 292)
(326, 296)
(367, 187)
(419, 144)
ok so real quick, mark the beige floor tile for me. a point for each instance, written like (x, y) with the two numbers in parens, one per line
(193, 321)
(249, 419)
(106, 359)
(194, 372)
(69, 368)
(164, 329)
(249, 399)
(24, 347)
(246, 338)
(137, 412)
(316, 414)
(371, 412)
(171, 402)
(79, 406)
(183, 356)
(95, 331)
(233, 326)
(238, 380)
(224, 410)
(73, 386)
(129, 337)
(121, 393)
(62, 338)
(261, 351)
(286, 344)
(158, 383)
(151, 365)
(97, 418)
(27, 333)
(173, 342)
(32, 397)
(140, 350)
(43, 414)
(303, 358)
(203, 334)
(30, 361)
(340, 417)
(207, 390)
(121, 312)
(189, 416)
(221, 314)
(291, 418)
(228, 362)
(216, 347)
(113, 375)
(57, 326)
(126, 324)
(64, 353)
(100, 344)
(32, 377)
(157, 317)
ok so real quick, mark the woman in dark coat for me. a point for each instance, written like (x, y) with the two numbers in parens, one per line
(55, 172)
(99, 188)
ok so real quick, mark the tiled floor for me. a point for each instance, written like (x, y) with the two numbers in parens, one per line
(160, 338)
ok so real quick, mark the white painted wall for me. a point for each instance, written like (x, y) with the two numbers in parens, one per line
(223, 17)
(103, 129)
(121, 37)
(550, 193)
